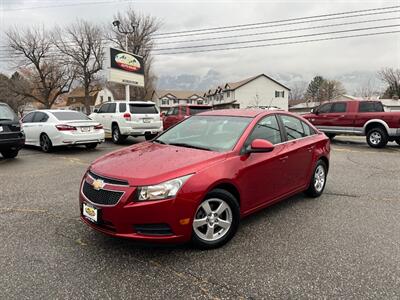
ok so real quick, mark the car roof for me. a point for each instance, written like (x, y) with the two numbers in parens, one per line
(234, 112)
(133, 102)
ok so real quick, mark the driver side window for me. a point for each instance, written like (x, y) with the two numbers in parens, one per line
(325, 108)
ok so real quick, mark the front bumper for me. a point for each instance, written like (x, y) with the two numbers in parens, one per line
(126, 217)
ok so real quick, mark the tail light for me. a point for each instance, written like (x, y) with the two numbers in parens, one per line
(127, 116)
(98, 127)
(65, 127)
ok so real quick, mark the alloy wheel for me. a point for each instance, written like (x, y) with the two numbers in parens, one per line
(319, 178)
(212, 220)
(45, 143)
(115, 134)
(375, 138)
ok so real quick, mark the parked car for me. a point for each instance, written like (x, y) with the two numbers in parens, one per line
(179, 112)
(358, 118)
(129, 118)
(51, 128)
(199, 178)
(12, 138)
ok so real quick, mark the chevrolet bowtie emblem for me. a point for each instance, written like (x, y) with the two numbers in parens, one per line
(98, 184)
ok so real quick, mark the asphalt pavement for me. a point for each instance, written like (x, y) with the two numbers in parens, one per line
(345, 244)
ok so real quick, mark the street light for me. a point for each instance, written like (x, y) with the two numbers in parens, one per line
(117, 24)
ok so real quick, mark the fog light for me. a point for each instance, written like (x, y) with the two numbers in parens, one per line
(184, 221)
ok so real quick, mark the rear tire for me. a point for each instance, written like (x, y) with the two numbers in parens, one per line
(377, 137)
(9, 153)
(45, 143)
(397, 141)
(117, 137)
(318, 180)
(91, 146)
(216, 220)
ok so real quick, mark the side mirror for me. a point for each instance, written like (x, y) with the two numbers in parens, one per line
(259, 146)
(96, 110)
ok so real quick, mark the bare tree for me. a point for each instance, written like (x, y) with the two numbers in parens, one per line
(330, 90)
(46, 76)
(297, 92)
(83, 48)
(391, 77)
(140, 43)
(367, 90)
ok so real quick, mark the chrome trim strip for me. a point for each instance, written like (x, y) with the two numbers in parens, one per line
(112, 184)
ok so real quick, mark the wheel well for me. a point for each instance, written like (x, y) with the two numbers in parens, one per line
(325, 160)
(229, 188)
(374, 125)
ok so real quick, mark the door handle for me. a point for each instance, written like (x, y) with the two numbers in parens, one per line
(342, 116)
(283, 158)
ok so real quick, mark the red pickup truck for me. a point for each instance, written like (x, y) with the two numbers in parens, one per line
(366, 118)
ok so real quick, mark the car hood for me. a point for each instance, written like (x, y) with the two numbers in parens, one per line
(150, 163)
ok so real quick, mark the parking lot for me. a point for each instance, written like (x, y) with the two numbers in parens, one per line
(345, 244)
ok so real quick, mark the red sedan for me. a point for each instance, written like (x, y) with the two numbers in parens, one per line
(198, 179)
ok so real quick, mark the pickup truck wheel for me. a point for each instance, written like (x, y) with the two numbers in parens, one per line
(117, 137)
(397, 141)
(9, 153)
(377, 137)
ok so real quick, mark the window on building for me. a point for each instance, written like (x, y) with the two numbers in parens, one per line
(109, 99)
(279, 94)
(176, 101)
(101, 99)
(228, 94)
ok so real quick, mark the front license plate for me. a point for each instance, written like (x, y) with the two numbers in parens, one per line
(146, 120)
(1, 128)
(90, 212)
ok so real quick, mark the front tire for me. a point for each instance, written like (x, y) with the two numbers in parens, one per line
(10, 153)
(377, 137)
(318, 180)
(45, 143)
(216, 220)
(117, 137)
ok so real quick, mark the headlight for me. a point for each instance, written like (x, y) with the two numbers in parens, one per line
(163, 190)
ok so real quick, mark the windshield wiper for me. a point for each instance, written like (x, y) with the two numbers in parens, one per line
(159, 142)
(190, 146)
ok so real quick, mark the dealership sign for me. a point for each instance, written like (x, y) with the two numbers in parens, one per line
(125, 68)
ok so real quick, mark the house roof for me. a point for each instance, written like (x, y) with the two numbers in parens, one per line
(390, 102)
(80, 92)
(238, 84)
(178, 94)
(305, 105)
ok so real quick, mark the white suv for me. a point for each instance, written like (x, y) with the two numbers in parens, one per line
(124, 118)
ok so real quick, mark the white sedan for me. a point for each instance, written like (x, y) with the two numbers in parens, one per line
(50, 128)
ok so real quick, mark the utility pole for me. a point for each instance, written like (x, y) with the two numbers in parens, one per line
(117, 24)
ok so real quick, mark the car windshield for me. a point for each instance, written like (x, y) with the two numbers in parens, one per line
(193, 110)
(70, 116)
(214, 133)
(6, 114)
(143, 109)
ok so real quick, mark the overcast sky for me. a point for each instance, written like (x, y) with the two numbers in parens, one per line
(329, 58)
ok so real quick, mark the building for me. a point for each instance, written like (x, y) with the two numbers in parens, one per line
(303, 108)
(391, 104)
(164, 99)
(76, 99)
(256, 91)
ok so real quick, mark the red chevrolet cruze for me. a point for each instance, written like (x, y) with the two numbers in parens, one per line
(197, 180)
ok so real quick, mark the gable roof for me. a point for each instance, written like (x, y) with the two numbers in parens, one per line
(178, 94)
(235, 85)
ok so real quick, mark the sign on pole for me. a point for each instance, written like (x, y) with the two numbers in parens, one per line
(125, 68)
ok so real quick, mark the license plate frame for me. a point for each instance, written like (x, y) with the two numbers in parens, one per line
(147, 120)
(85, 129)
(90, 212)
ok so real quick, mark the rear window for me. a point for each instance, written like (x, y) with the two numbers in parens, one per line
(143, 109)
(69, 116)
(195, 110)
(6, 113)
(370, 107)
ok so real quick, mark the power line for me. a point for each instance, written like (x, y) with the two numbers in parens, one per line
(278, 21)
(277, 31)
(279, 38)
(283, 43)
(278, 25)
(65, 5)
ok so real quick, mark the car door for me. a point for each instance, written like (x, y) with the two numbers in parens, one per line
(101, 116)
(338, 118)
(27, 126)
(110, 114)
(299, 152)
(264, 174)
(39, 120)
(321, 116)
